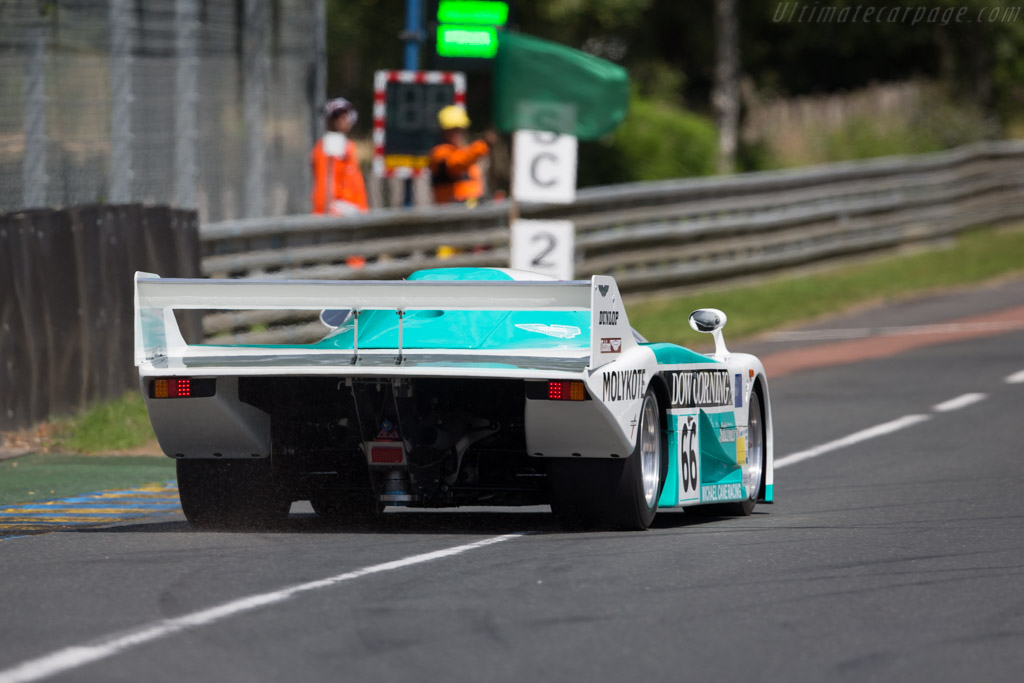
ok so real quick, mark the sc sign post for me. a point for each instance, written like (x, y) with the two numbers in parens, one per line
(544, 171)
(545, 247)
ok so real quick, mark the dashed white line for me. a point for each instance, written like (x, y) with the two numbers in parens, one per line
(855, 438)
(959, 402)
(863, 332)
(1015, 378)
(79, 655)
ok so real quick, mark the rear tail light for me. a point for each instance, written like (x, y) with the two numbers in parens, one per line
(566, 390)
(182, 387)
(172, 388)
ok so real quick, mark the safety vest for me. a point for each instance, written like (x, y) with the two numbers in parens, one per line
(454, 173)
(337, 180)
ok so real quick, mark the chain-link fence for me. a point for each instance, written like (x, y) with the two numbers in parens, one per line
(190, 103)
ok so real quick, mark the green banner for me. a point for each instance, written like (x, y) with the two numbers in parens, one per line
(540, 85)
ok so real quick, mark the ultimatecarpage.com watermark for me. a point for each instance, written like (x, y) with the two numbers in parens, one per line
(806, 13)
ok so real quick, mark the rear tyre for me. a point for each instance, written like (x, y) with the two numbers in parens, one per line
(616, 493)
(753, 467)
(230, 494)
(639, 486)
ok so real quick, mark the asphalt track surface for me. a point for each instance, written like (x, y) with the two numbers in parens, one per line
(895, 555)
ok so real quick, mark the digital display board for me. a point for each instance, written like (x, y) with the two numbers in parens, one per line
(405, 126)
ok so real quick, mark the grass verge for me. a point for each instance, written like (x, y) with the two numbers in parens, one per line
(975, 257)
(110, 426)
(42, 477)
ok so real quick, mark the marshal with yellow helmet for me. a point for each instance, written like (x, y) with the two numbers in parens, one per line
(455, 175)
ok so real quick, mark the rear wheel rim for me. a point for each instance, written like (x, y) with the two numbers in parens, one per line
(650, 452)
(755, 449)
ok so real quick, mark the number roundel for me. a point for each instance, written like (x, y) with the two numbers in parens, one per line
(688, 456)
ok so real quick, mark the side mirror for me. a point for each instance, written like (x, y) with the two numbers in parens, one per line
(711, 321)
(707, 320)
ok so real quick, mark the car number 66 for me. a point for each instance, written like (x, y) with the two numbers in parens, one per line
(689, 463)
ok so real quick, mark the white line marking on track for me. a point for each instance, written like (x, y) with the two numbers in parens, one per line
(1015, 378)
(850, 440)
(863, 332)
(959, 402)
(79, 655)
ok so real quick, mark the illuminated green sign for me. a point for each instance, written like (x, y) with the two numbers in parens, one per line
(454, 40)
(478, 12)
(469, 28)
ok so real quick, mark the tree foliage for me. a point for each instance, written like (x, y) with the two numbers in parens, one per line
(656, 141)
(975, 48)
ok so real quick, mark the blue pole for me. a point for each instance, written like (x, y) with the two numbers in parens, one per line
(413, 33)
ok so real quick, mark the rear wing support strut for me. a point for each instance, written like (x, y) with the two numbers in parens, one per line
(401, 316)
(355, 336)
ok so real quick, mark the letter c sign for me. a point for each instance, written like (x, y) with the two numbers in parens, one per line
(544, 167)
(535, 173)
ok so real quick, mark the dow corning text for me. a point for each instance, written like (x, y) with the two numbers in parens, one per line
(701, 388)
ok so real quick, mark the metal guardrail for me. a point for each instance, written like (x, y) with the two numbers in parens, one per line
(650, 236)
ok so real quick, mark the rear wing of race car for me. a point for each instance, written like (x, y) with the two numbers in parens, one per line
(157, 334)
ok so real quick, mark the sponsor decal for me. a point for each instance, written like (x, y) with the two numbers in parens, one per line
(608, 318)
(732, 435)
(738, 392)
(632, 426)
(387, 432)
(611, 344)
(557, 331)
(603, 289)
(623, 385)
(741, 451)
(701, 388)
(716, 492)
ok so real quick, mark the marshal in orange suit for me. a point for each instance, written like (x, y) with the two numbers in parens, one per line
(338, 186)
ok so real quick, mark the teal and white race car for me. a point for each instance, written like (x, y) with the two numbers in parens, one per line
(458, 386)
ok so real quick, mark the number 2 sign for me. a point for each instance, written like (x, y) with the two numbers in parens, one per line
(544, 247)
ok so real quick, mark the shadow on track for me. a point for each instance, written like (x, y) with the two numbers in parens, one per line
(426, 522)
(441, 522)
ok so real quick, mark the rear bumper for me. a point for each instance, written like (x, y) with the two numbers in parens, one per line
(219, 426)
